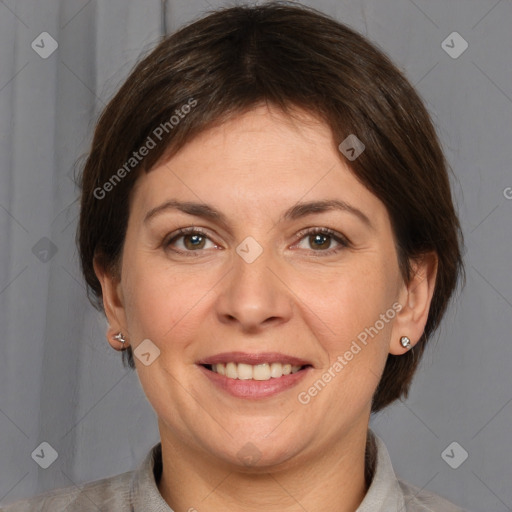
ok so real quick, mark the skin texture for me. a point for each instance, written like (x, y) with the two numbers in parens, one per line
(294, 298)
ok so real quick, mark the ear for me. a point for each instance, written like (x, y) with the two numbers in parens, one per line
(415, 298)
(113, 303)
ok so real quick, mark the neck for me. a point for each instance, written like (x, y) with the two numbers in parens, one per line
(333, 477)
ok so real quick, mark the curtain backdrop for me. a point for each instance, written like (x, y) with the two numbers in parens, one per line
(62, 384)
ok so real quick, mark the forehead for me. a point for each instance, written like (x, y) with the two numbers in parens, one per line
(261, 159)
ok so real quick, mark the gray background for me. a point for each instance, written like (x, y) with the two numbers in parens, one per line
(61, 383)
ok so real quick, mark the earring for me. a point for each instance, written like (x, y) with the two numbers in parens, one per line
(119, 337)
(405, 342)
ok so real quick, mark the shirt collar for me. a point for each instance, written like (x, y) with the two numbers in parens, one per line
(144, 493)
(384, 493)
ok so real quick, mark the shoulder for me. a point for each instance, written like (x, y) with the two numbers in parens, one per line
(419, 500)
(112, 494)
(388, 493)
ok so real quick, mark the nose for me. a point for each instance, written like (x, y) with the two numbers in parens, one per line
(254, 296)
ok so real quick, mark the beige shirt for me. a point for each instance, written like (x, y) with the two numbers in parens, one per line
(137, 491)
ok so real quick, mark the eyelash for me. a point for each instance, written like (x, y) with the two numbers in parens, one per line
(343, 241)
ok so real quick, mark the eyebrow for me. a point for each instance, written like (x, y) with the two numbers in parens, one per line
(295, 212)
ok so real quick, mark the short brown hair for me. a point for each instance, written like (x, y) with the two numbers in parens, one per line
(285, 55)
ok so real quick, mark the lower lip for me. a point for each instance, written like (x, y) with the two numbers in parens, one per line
(255, 388)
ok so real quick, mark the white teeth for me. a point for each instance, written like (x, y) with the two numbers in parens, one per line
(263, 371)
(231, 371)
(244, 371)
(276, 370)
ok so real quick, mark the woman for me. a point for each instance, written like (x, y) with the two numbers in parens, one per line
(267, 223)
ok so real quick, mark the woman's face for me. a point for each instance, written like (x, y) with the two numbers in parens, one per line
(258, 285)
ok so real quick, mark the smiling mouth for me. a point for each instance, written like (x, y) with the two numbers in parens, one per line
(264, 371)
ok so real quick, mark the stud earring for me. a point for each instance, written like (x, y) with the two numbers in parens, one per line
(119, 337)
(405, 342)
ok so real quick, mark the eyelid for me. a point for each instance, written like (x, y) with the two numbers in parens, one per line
(327, 231)
(190, 230)
(335, 235)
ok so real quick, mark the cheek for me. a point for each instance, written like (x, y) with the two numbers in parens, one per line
(160, 301)
(357, 308)
(344, 303)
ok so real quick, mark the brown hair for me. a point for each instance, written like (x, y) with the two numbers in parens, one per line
(288, 56)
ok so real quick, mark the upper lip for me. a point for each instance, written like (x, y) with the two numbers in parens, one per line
(254, 359)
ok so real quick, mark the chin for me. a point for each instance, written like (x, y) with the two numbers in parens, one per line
(261, 456)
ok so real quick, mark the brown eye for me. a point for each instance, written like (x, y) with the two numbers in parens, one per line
(192, 242)
(320, 240)
(188, 240)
